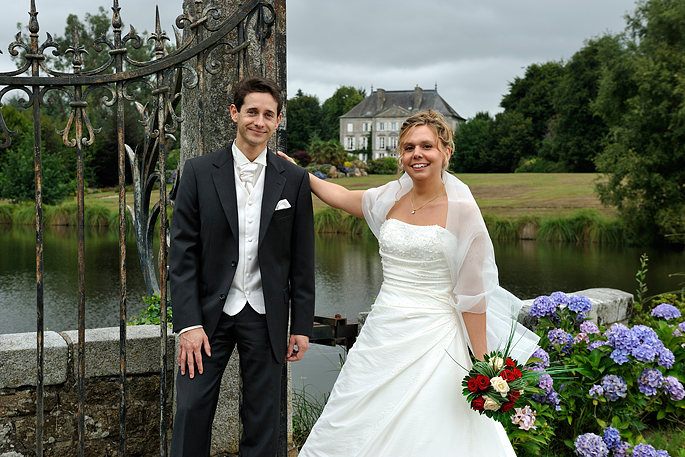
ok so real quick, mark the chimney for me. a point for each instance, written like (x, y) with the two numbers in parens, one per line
(418, 98)
(380, 98)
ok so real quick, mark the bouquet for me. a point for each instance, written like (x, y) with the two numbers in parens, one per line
(495, 385)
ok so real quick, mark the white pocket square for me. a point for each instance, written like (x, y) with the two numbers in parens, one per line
(283, 204)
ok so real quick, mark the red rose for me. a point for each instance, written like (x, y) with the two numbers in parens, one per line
(506, 407)
(483, 382)
(517, 373)
(508, 375)
(514, 395)
(509, 362)
(478, 404)
(472, 385)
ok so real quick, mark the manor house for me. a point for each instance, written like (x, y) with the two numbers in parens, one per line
(379, 117)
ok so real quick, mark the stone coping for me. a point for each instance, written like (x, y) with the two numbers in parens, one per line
(101, 350)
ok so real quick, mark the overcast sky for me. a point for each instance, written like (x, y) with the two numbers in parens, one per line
(471, 49)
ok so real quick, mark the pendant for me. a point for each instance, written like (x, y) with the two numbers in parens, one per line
(413, 211)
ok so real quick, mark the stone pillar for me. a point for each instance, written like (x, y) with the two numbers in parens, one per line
(207, 124)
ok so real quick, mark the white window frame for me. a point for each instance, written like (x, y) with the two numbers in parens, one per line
(350, 127)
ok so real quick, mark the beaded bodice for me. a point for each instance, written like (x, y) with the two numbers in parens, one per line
(415, 256)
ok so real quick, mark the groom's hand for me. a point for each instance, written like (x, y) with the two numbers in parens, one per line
(190, 350)
(297, 347)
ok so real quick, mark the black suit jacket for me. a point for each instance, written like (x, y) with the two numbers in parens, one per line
(203, 254)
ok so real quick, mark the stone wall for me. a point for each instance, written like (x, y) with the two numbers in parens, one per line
(18, 381)
(18, 395)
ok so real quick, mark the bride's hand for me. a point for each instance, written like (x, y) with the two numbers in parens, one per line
(287, 157)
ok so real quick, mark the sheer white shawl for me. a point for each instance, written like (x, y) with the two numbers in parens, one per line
(472, 265)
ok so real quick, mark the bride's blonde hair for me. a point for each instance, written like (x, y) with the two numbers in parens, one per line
(437, 122)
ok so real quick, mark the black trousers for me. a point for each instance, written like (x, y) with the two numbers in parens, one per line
(196, 398)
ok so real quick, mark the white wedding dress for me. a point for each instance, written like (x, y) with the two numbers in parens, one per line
(399, 392)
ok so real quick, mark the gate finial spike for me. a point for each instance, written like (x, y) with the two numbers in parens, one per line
(116, 17)
(33, 21)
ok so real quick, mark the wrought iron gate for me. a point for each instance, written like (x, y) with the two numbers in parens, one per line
(243, 34)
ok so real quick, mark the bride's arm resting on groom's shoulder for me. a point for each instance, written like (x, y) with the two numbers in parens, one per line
(335, 195)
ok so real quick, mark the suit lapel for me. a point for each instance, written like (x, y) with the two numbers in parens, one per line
(274, 182)
(224, 181)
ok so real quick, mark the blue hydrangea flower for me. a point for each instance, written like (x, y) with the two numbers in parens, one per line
(559, 337)
(543, 356)
(645, 352)
(649, 381)
(552, 398)
(546, 383)
(612, 437)
(620, 356)
(543, 306)
(615, 387)
(666, 311)
(666, 357)
(622, 449)
(589, 327)
(621, 337)
(579, 304)
(644, 450)
(596, 391)
(596, 344)
(661, 453)
(591, 445)
(581, 337)
(559, 298)
(674, 388)
(681, 326)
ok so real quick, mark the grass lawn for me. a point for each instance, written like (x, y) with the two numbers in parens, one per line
(508, 196)
(515, 194)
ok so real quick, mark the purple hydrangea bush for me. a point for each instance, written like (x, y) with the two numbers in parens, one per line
(626, 375)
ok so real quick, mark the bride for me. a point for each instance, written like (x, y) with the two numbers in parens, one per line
(399, 392)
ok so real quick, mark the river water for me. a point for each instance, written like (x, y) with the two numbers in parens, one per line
(348, 276)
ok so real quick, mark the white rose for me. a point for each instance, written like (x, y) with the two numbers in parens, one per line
(497, 363)
(500, 385)
(490, 404)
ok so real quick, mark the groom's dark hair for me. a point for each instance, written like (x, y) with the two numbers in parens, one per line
(256, 84)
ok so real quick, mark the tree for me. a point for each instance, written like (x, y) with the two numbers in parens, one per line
(304, 121)
(17, 174)
(511, 139)
(330, 151)
(343, 100)
(533, 97)
(472, 140)
(642, 99)
(579, 131)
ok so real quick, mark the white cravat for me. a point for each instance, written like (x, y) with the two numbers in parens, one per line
(247, 174)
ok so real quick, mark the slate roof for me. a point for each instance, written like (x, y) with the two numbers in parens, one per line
(402, 100)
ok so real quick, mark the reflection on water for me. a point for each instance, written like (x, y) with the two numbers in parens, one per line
(60, 255)
(348, 274)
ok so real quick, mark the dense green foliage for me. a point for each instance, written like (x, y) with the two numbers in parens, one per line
(310, 125)
(17, 170)
(642, 99)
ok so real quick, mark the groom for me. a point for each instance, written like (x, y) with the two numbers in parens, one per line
(241, 262)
